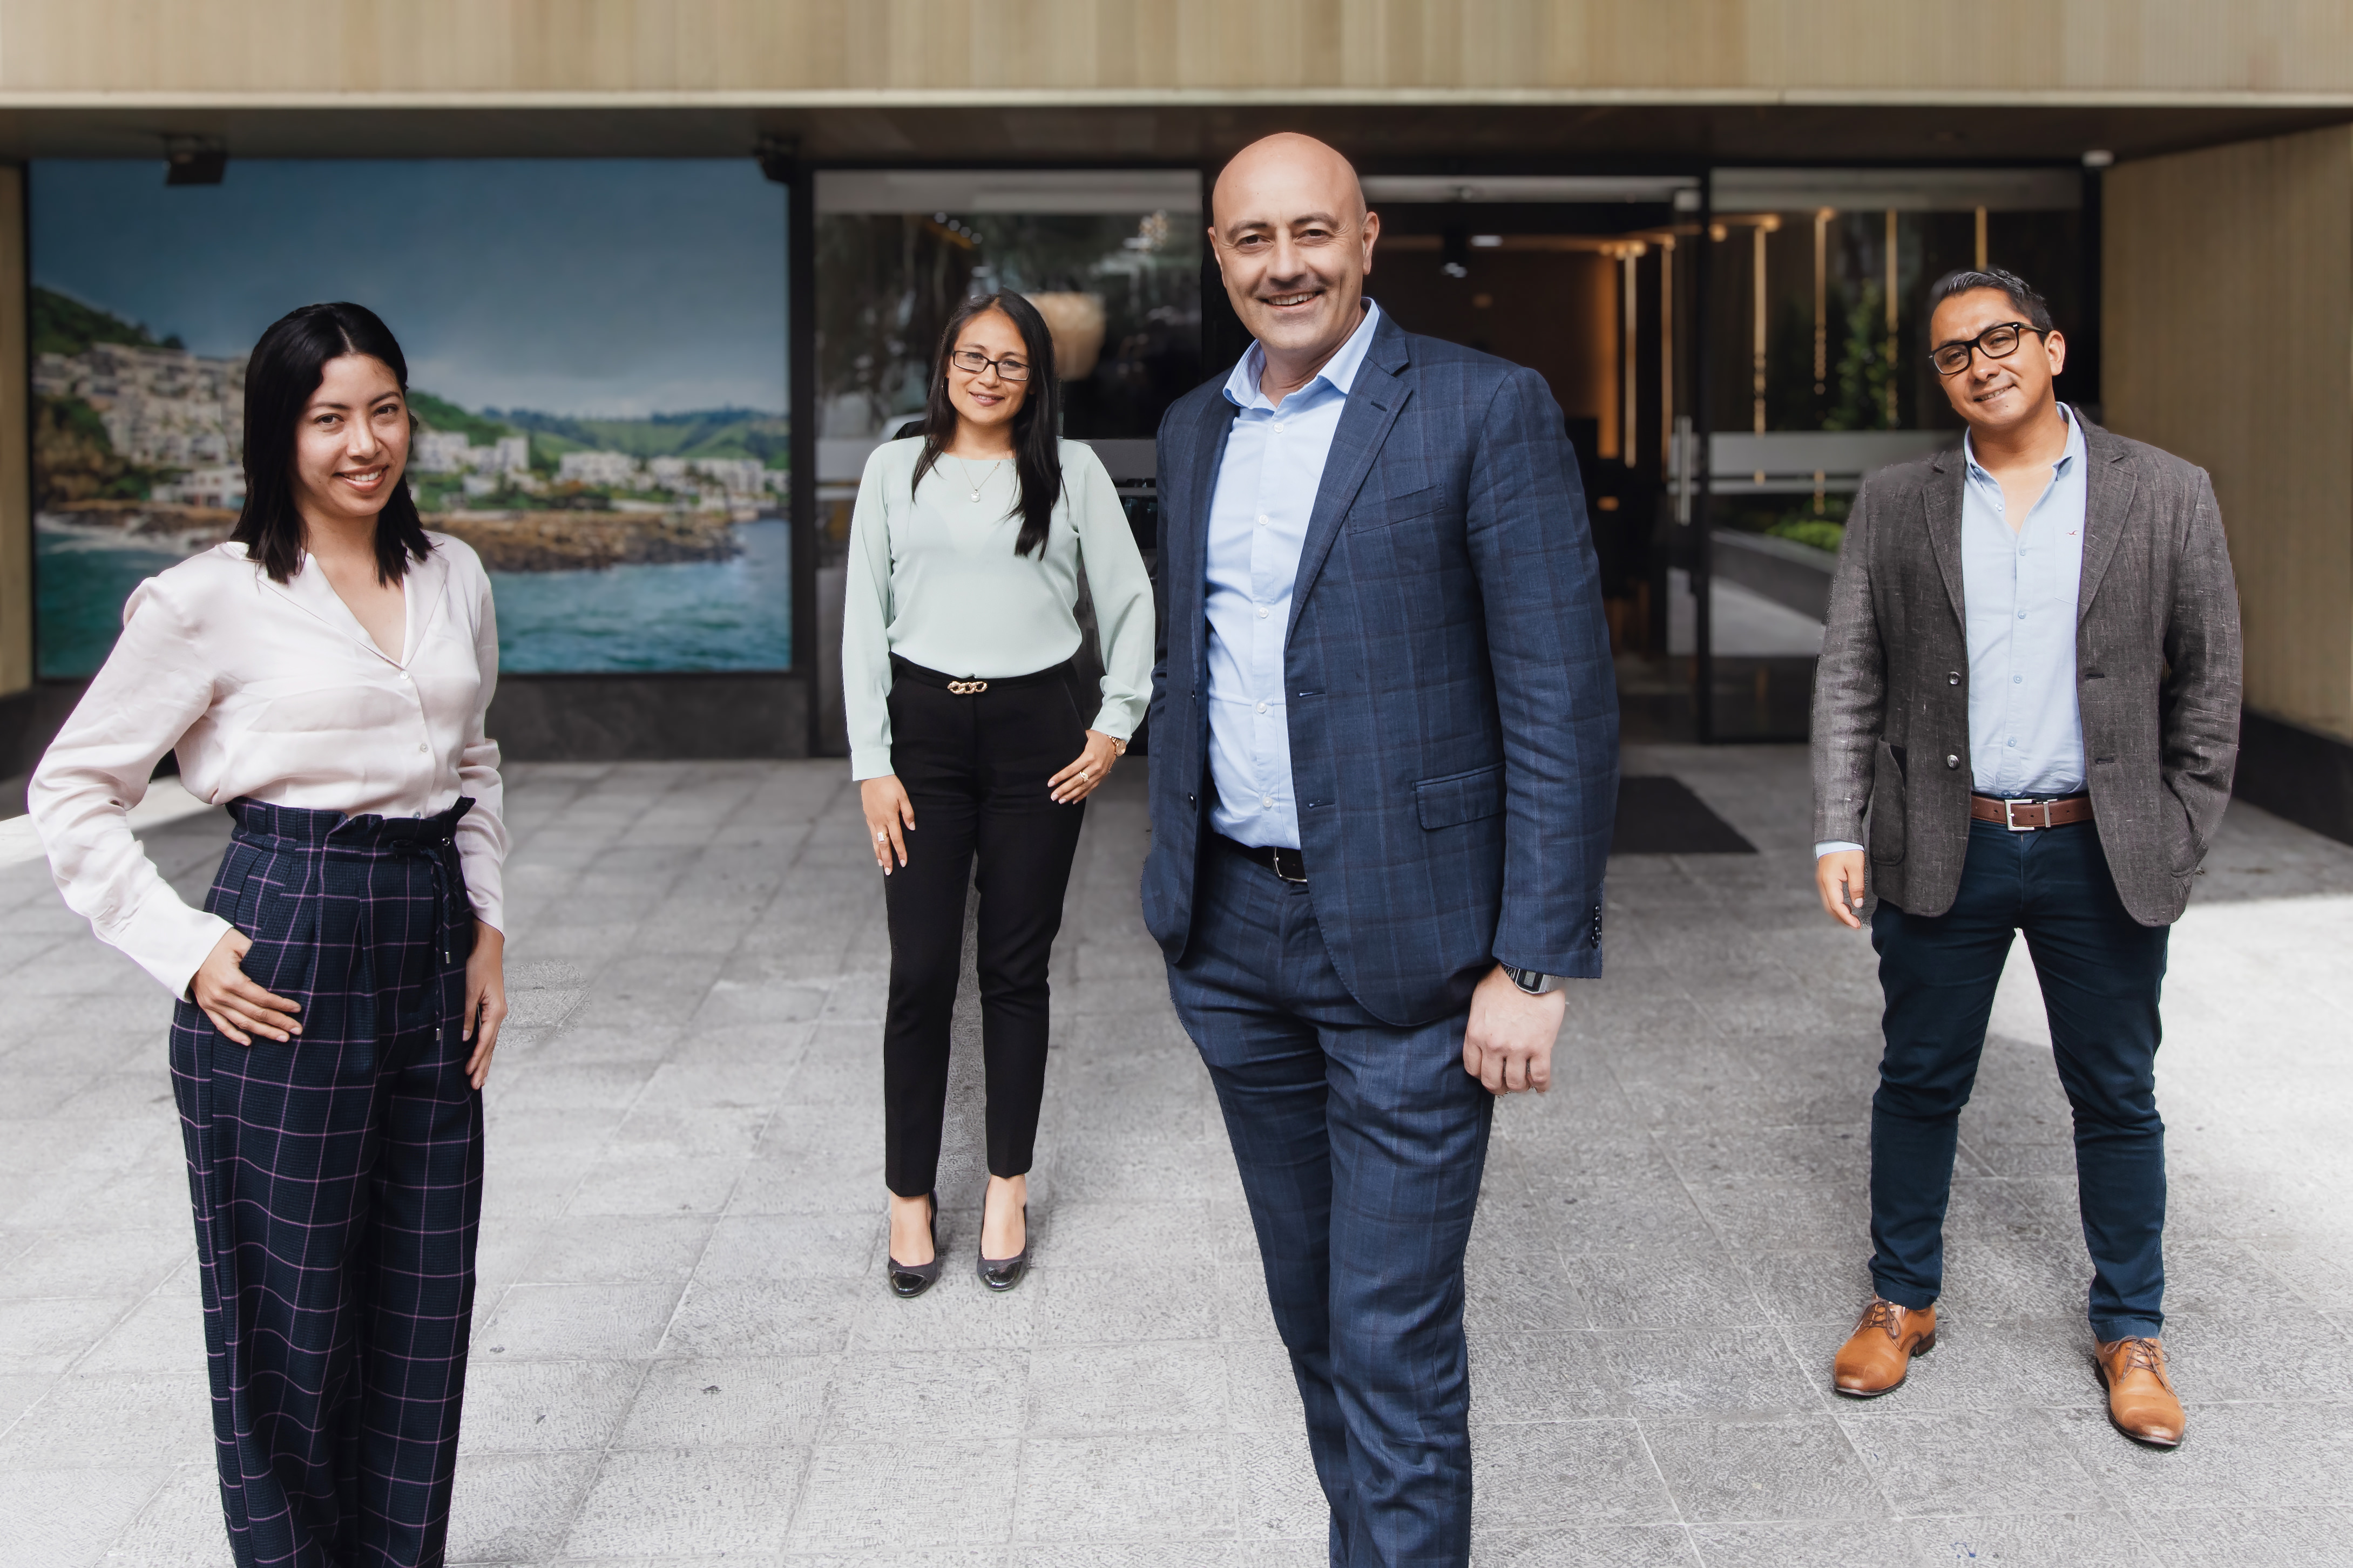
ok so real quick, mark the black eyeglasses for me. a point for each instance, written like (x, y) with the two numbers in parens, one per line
(1997, 342)
(972, 362)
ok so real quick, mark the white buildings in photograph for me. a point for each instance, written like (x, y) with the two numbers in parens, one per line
(724, 478)
(161, 408)
(617, 469)
(453, 452)
(216, 485)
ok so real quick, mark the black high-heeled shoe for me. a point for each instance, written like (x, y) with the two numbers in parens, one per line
(911, 1279)
(1002, 1273)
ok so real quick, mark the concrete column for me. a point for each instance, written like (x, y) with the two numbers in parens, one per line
(15, 465)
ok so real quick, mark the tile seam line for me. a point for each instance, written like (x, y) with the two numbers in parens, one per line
(808, 1456)
(645, 1363)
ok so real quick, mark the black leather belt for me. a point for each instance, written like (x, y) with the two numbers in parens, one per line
(973, 685)
(1286, 864)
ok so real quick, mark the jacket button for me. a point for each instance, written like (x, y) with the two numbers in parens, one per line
(1953, 678)
(1951, 760)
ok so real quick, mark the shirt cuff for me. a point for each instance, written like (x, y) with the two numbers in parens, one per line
(489, 909)
(170, 941)
(1832, 845)
(869, 762)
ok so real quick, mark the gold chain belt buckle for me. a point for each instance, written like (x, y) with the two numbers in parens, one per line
(968, 688)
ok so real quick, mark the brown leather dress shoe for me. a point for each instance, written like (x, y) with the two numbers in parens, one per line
(2141, 1402)
(1877, 1357)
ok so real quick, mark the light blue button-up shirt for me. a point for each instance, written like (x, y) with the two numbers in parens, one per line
(2026, 727)
(2020, 589)
(1273, 466)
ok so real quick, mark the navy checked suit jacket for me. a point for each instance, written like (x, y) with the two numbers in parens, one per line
(1453, 714)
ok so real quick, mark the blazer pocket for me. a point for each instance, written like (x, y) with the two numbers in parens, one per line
(1458, 798)
(1389, 510)
(1888, 805)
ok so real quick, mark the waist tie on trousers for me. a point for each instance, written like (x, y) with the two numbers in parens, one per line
(432, 841)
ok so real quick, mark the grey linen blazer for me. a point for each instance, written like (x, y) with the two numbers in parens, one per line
(2157, 675)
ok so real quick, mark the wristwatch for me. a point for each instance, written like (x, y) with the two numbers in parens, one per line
(1535, 981)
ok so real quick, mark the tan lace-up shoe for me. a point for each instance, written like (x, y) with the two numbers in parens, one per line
(2141, 1400)
(1877, 1357)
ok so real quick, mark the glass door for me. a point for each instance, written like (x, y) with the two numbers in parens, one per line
(1817, 374)
(1111, 258)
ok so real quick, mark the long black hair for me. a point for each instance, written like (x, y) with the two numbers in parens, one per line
(286, 368)
(1037, 428)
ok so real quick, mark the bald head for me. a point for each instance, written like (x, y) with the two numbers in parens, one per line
(1294, 243)
(1284, 167)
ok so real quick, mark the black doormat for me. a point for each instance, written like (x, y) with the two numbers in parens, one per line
(1657, 816)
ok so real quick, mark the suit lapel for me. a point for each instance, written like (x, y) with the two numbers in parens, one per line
(2109, 484)
(1209, 450)
(1374, 401)
(1943, 499)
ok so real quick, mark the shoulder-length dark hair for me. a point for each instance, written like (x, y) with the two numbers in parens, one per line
(286, 368)
(1037, 429)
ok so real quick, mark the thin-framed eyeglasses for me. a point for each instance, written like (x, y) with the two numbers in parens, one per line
(1997, 342)
(972, 362)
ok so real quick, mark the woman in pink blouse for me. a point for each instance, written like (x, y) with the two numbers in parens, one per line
(322, 675)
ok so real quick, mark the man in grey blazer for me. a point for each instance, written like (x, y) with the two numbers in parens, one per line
(2030, 683)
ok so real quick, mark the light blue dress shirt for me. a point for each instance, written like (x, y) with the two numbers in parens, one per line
(1266, 487)
(2026, 727)
(2019, 590)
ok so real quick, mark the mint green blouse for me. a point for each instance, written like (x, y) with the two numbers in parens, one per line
(933, 579)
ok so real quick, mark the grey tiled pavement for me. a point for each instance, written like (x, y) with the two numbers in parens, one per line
(686, 1355)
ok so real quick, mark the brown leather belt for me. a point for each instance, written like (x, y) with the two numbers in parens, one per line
(2028, 815)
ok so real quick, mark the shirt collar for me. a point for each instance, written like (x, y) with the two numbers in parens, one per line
(1339, 371)
(2073, 454)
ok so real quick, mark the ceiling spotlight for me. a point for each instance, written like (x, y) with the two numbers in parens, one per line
(2099, 158)
(194, 161)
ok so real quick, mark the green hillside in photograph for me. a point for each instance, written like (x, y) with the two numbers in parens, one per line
(440, 413)
(706, 433)
(64, 325)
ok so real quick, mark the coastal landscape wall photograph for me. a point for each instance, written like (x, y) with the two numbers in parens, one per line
(597, 354)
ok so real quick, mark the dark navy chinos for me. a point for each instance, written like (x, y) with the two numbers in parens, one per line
(337, 1181)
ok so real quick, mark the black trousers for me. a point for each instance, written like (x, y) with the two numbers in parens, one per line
(976, 767)
(2101, 974)
(337, 1181)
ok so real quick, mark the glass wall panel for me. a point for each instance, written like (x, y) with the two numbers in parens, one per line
(1818, 374)
(1113, 260)
(597, 354)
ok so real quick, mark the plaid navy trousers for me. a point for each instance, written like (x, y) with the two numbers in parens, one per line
(338, 1189)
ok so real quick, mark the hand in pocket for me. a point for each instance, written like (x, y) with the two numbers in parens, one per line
(235, 1004)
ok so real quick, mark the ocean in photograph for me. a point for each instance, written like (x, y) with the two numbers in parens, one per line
(84, 581)
(680, 615)
(732, 613)
(596, 358)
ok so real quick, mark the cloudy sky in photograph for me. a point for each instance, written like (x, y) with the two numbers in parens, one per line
(616, 286)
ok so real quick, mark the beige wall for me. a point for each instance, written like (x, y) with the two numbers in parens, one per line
(2229, 339)
(1883, 50)
(16, 477)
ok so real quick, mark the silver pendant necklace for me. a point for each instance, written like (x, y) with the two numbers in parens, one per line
(970, 483)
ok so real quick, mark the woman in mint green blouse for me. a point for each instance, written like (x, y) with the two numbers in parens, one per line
(969, 743)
